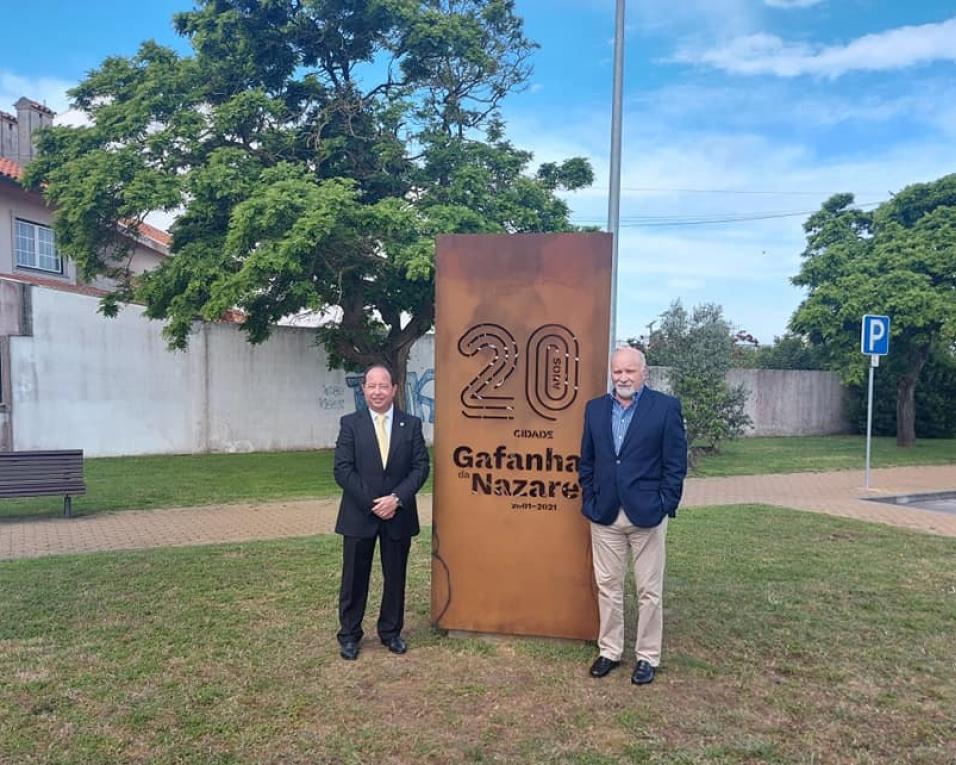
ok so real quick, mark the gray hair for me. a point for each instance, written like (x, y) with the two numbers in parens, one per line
(632, 349)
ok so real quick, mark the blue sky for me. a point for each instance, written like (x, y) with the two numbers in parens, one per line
(750, 110)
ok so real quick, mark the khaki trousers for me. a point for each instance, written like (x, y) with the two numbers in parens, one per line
(609, 548)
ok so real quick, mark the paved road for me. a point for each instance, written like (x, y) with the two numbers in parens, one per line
(836, 493)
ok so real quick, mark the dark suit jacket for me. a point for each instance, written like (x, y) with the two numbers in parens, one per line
(647, 477)
(358, 470)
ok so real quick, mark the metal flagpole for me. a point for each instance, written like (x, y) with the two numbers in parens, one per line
(614, 196)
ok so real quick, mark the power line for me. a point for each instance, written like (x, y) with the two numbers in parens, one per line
(778, 192)
(705, 220)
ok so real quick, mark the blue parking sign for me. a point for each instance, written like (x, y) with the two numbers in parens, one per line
(875, 337)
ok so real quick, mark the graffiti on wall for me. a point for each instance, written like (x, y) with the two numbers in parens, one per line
(416, 402)
(332, 398)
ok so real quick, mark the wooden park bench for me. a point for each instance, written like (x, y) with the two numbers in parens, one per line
(43, 474)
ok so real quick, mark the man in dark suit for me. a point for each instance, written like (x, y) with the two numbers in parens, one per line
(633, 463)
(380, 462)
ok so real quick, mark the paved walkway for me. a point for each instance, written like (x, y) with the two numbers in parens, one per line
(837, 493)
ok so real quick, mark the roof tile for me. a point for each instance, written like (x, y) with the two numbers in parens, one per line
(156, 234)
(10, 169)
(56, 284)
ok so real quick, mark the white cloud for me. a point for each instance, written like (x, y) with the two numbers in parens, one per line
(73, 118)
(686, 283)
(768, 54)
(47, 90)
(743, 266)
(163, 219)
(791, 3)
(715, 16)
(926, 103)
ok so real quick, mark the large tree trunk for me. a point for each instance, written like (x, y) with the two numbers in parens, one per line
(399, 346)
(397, 359)
(353, 344)
(906, 411)
(906, 398)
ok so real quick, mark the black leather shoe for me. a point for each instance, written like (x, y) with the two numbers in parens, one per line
(349, 650)
(395, 644)
(602, 665)
(643, 673)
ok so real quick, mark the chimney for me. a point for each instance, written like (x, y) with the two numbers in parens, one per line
(8, 136)
(31, 116)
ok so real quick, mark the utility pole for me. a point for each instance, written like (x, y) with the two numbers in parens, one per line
(614, 190)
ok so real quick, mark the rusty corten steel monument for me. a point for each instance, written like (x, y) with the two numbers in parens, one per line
(521, 344)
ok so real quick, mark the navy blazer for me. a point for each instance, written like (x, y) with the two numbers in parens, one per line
(358, 470)
(647, 477)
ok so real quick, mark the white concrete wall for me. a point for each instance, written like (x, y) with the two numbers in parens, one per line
(790, 402)
(11, 307)
(274, 396)
(106, 386)
(783, 402)
(282, 395)
(110, 386)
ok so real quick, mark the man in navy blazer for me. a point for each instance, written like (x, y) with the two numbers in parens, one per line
(633, 463)
(381, 461)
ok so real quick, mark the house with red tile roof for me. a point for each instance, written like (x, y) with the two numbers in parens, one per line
(28, 250)
(29, 258)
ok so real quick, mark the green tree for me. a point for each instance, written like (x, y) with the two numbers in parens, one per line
(313, 149)
(898, 260)
(935, 398)
(787, 352)
(698, 347)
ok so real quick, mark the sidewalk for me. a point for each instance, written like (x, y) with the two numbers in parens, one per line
(836, 493)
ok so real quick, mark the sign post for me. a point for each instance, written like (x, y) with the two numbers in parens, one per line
(874, 342)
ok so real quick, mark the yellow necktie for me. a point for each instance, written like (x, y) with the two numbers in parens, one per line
(382, 435)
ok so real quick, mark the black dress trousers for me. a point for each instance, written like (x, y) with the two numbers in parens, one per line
(357, 556)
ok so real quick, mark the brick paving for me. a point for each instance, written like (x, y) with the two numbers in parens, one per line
(836, 493)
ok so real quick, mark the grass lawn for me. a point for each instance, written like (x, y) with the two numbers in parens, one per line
(789, 638)
(797, 454)
(141, 483)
